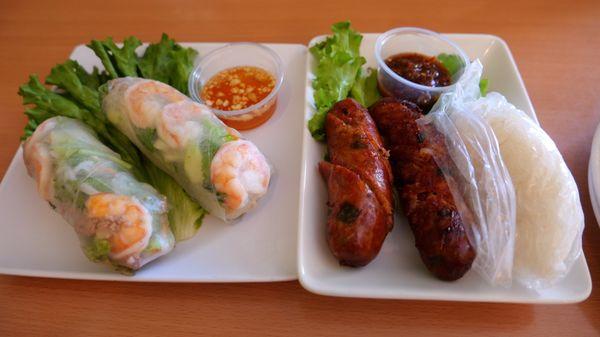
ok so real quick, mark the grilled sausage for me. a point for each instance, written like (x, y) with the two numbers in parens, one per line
(425, 194)
(359, 182)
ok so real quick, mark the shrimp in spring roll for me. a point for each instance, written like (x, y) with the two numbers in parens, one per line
(117, 218)
(224, 173)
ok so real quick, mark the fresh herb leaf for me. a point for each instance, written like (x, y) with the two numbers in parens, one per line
(483, 86)
(209, 146)
(451, 62)
(348, 213)
(147, 137)
(98, 184)
(97, 250)
(67, 192)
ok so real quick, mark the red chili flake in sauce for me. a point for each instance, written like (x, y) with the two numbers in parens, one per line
(237, 88)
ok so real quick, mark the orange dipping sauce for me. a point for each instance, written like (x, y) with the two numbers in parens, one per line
(240, 88)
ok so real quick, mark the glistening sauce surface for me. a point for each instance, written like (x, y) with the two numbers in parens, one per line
(416, 68)
(420, 69)
(239, 88)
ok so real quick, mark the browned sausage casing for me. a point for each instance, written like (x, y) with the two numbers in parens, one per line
(359, 183)
(425, 195)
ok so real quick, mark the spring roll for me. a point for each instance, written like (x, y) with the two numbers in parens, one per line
(118, 219)
(224, 173)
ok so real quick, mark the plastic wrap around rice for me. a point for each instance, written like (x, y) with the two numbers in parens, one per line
(478, 176)
(549, 217)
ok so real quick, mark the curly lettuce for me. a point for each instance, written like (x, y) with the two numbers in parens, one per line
(365, 90)
(118, 62)
(168, 62)
(186, 217)
(338, 74)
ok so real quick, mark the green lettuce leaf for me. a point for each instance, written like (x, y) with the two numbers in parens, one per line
(97, 250)
(168, 62)
(156, 62)
(47, 103)
(104, 57)
(68, 76)
(338, 65)
(118, 62)
(93, 80)
(147, 137)
(125, 58)
(186, 216)
(183, 64)
(365, 90)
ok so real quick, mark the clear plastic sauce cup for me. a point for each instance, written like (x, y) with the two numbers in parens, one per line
(414, 40)
(241, 54)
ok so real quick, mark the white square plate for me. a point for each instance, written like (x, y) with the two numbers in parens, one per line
(398, 272)
(35, 241)
(594, 174)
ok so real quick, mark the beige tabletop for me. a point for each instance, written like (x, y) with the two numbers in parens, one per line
(557, 49)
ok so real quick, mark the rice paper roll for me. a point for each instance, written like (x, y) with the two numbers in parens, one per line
(118, 219)
(224, 173)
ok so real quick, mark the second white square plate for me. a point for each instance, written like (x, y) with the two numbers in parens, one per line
(398, 272)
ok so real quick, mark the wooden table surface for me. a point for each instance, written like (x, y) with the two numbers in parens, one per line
(557, 49)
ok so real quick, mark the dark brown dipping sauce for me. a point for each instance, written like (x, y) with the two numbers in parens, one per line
(420, 69)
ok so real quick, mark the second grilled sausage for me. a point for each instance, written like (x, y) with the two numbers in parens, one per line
(424, 192)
